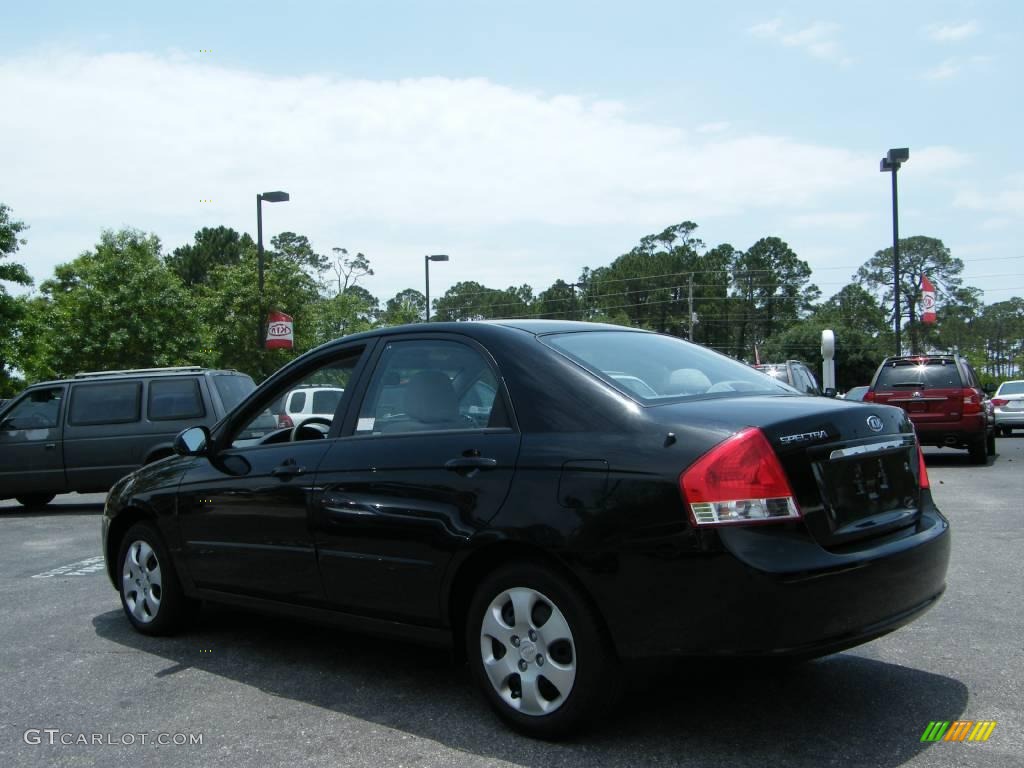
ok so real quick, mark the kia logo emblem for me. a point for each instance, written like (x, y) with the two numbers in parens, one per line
(875, 424)
(278, 329)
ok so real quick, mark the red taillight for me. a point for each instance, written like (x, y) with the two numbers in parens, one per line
(869, 396)
(283, 421)
(922, 470)
(999, 401)
(972, 403)
(738, 481)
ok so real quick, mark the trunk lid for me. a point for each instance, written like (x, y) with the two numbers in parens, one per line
(853, 467)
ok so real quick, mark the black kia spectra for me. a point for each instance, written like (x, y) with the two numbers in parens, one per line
(552, 499)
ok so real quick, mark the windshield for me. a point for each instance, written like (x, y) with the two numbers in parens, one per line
(233, 388)
(652, 367)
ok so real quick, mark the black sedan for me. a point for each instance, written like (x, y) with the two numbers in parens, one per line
(552, 500)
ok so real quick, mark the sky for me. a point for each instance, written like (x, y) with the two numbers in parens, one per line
(527, 140)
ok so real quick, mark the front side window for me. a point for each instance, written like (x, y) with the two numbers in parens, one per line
(427, 386)
(652, 367)
(175, 399)
(274, 421)
(40, 409)
(110, 403)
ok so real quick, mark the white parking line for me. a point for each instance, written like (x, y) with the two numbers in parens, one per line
(81, 568)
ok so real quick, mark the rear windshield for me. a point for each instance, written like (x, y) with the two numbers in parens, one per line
(1011, 388)
(233, 388)
(652, 367)
(929, 374)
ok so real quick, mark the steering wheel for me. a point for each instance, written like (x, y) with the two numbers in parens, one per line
(300, 425)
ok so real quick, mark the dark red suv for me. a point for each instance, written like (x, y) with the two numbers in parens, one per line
(943, 397)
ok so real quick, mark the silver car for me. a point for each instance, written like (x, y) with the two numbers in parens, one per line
(1008, 402)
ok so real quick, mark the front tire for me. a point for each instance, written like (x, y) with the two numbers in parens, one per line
(35, 500)
(151, 594)
(539, 653)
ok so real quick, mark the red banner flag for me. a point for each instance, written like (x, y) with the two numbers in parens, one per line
(927, 301)
(280, 331)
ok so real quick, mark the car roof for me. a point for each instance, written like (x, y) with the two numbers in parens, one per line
(132, 375)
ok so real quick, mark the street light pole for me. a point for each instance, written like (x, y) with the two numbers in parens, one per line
(426, 269)
(270, 197)
(891, 163)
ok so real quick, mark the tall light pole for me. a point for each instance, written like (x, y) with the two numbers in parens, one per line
(891, 163)
(270, 197)
(426, 267)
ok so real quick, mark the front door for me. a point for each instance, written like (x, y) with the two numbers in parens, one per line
(243, 510)
(31, 445)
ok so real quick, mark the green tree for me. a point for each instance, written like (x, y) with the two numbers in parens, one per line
(11, 309)
(117, 306)
(212, 246)
(298, 250)
(919, 256)
(772, 288)
(472, 301)
(349, 270)
(229, 312)
(406, 306)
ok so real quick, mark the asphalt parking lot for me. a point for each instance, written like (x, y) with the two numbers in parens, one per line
(262, 691)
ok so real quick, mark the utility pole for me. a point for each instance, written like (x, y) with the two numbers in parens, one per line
(692, 315)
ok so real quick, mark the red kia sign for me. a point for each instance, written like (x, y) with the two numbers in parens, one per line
(927, 301)
(280, 331)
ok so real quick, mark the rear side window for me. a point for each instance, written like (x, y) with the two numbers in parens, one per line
(113, 403)
(233, 388)
(298, 402)
(175, 399)
(326, 400)
(930, 374)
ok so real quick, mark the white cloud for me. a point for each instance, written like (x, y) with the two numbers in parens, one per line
(392, 168)
(937, 159)
(817, 39)
(834, 220)
(947, 69)
(1004, 199)
(952, 33)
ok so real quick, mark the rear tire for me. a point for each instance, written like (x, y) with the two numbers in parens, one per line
(978, 453)
(990, 444)
(538, 652)
(151, 593)
(35, 500)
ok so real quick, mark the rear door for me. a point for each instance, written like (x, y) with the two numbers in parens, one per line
(102, 437)
(31, 448)
(428, 459)
(931, 391)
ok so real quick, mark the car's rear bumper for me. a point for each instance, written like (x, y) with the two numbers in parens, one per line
(1009, 418)
(953, 433)
(779, 594)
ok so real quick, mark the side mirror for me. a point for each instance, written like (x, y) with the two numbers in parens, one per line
(829, 392)
(192, 441)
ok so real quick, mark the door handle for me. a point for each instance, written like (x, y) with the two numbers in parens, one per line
(49, 446)
(470, 465)
(287, 470)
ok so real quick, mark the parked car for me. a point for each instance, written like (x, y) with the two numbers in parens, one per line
(944, 399)
(798, 375)
(856, 393)
(507, 489)
(1008, 406)
(85, 433)
(310, 400)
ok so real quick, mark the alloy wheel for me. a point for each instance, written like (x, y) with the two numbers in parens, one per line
(141, 582)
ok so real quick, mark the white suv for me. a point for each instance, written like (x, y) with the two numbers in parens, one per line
(304, 402)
